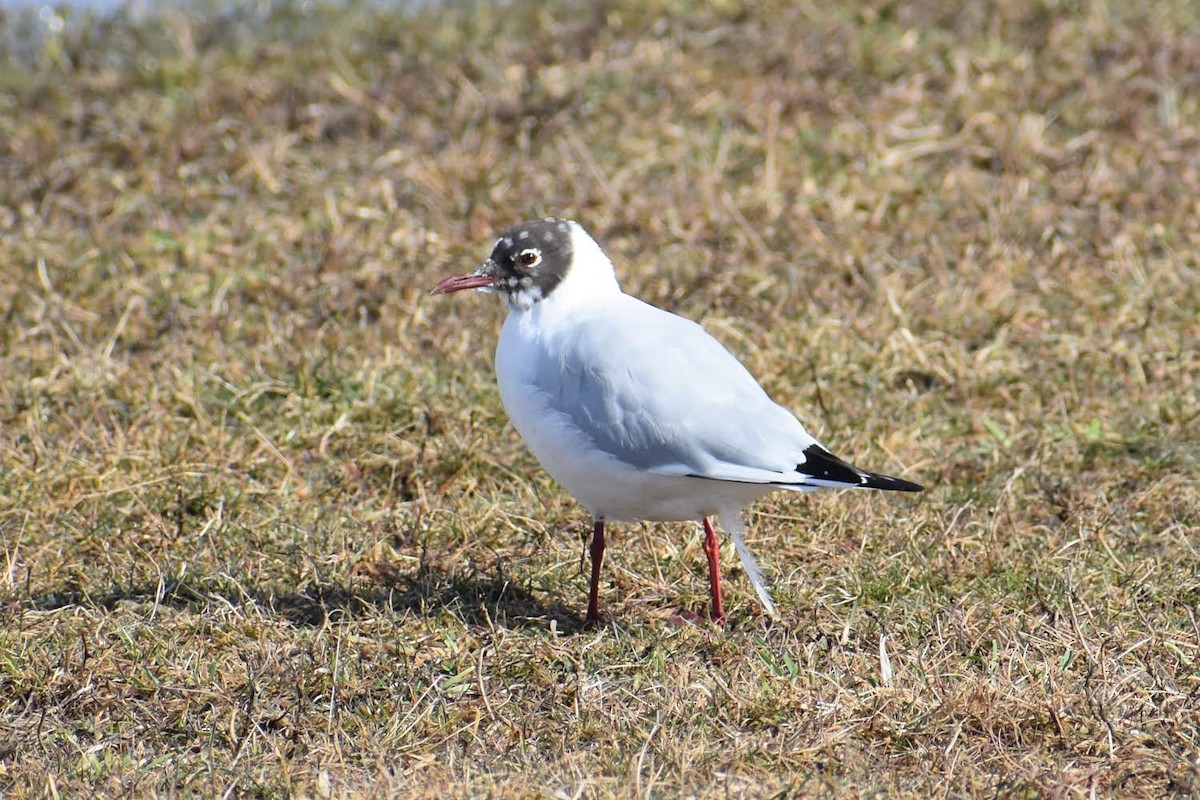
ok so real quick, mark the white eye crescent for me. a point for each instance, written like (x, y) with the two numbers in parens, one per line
(529, 257)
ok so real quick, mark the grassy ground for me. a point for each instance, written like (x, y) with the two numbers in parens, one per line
(265, 528)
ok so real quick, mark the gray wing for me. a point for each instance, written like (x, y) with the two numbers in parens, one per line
(657, 392)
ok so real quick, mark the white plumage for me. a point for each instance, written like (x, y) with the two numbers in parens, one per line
(638, 413)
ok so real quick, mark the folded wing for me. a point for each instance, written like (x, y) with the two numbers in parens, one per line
(657, 392)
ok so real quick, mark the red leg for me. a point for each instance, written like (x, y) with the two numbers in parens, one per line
(712, 549)
(593, 612)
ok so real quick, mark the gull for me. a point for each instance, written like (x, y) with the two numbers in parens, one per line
(638, 413)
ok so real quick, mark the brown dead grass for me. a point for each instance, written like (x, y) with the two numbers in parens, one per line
(266, 531)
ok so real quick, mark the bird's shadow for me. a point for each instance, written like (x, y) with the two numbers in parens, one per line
(477, 599)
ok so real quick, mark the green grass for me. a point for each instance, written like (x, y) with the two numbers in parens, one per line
(266, 530)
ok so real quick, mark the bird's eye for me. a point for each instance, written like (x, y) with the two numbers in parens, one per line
(529, 258)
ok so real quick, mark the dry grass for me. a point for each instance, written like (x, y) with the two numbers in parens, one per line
(266, 531)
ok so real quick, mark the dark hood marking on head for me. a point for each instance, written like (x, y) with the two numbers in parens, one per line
(532, 259)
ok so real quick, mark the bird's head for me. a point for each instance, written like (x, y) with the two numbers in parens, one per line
(536, 258)
(526, 264)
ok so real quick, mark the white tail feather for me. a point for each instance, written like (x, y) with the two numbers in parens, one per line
(731, 520)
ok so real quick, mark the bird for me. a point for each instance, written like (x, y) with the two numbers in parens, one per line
(638, 413)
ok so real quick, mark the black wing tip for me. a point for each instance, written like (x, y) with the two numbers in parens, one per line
(822, 464)
(874, 480)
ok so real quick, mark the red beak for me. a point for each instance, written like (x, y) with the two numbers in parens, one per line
(478, 279)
